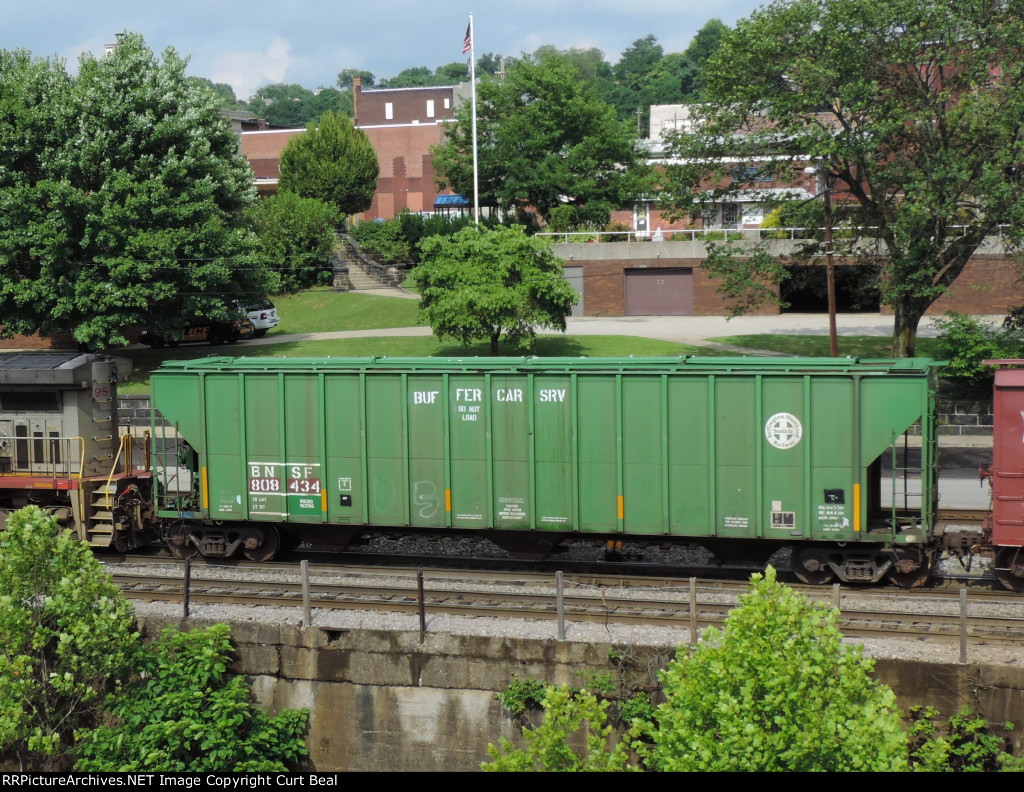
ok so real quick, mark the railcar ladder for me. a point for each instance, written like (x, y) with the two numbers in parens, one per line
(907, 483)
(100, 520)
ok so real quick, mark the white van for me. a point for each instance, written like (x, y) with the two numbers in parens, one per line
(263, 317)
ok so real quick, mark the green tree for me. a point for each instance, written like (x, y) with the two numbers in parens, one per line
(225, 93)
(704, 45)
(451, 73)
(186, 713)
(287, 105)
(333, 162)
(121, 197)
(295, 241)
(910, 109)
(544, 139)
(488, 63)
(414, 77)
(480, 284)
(66, 639)
(346, 76)
(775, 690)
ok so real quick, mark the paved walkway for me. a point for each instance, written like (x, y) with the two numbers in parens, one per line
(693, 330)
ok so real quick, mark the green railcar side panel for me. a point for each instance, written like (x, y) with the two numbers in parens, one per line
(344, 481)
(303, 466)
(469, 412)
(736, 430)
(227, 482)
(427, 473)
(834, 420)
(599, 487)
(179, 400)
(384, 449)
(782, 411)
(266, 489)
(554, 437)
(690, 454)
(893, 405)
(644, 453)
(510, 400)
(689, 447)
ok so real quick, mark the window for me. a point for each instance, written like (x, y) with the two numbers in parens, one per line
(751, 173)
(389, 111)
(447, 103)
(730, 215)
(430, 108)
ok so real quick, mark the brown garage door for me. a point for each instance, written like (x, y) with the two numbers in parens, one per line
(659, 292)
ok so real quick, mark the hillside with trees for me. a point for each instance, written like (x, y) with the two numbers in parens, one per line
(644, 75)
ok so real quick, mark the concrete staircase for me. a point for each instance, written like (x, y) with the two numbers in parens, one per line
(358, 276)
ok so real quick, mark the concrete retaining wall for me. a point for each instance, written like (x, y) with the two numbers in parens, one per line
(379, 700)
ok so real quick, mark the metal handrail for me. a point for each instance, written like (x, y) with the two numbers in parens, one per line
(701, 234)
(53, 469)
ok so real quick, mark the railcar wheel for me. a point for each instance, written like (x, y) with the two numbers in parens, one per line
(180, 544)
(911, 569)
(1009, 568)
(267, 549)
(810, 565)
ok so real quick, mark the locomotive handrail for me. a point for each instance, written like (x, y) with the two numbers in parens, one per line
(113, 467)
(52, 466)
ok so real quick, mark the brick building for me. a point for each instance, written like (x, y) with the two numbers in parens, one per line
(401, 124)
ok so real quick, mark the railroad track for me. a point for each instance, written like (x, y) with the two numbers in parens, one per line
(936, 614)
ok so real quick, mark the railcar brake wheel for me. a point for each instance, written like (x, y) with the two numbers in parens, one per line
(911, 569)
(268, 547)
(810, 565)
(1009, 568)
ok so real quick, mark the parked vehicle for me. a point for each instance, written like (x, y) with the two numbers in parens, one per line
(208, 332)
(263, 317)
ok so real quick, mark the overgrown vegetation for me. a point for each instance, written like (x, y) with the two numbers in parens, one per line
(67, 639)
(962, 743)
(774, 690)
(79, 688)
(966, 341)
(185, 712)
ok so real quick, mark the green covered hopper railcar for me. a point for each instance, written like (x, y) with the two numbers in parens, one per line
(740, 455)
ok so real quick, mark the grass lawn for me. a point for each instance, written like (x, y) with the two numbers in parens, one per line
(818, 346)
(324, 310)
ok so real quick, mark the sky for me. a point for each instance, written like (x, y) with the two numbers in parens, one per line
(257, 42)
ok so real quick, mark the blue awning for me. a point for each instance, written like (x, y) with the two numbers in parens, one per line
(451, 202)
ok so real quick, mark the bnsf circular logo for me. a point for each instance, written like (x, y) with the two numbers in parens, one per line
(783, 430)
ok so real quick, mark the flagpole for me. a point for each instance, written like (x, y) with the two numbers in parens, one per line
(472, 84)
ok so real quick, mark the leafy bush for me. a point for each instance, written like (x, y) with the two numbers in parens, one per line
(965, 341)
(384, 242)
(776, 690)
(964, 743)
(566, 217)
(186, 713)
(569, 712)
(68, 638)
(295, 240)
(522, 695)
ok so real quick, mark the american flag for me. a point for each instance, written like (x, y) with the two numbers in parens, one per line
(467, 43)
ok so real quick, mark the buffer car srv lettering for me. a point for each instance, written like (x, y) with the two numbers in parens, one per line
(743, 456)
